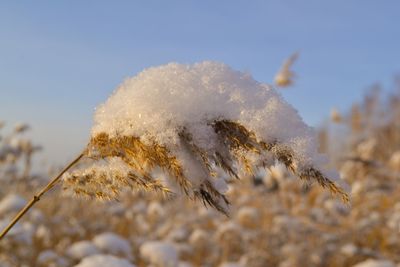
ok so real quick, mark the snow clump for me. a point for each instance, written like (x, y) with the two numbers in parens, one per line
(113, 244)
(104, 260)
(160, 100)
(159, 253)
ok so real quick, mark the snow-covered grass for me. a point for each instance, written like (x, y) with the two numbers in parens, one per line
(190, 128)
(275, 219)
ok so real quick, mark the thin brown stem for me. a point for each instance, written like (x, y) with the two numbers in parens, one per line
(37, 197)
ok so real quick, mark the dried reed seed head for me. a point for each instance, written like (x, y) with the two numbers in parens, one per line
(284, 154)
(212, 197)
(93, 184)
(236, 144)
(336, 117)
(225, 163)
(107, 183)
(131, 149)
(21, 127)
(285, 76)
(201, 155)
(138, 155)
(310, 173)
(235, 135)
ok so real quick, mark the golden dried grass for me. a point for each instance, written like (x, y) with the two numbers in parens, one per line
(236, 142)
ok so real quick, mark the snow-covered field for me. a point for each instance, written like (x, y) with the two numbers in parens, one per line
(275, 219)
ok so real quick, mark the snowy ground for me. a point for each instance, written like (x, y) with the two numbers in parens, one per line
(274, 218)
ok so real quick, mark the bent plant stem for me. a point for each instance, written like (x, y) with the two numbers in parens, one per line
(37, 197)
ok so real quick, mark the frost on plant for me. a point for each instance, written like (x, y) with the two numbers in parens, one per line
(176, 128)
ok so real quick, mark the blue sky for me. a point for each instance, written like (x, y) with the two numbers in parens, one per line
(59, 59)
